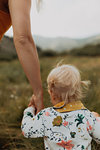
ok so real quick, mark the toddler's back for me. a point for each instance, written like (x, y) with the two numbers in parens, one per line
(62, 131)
(73, 130)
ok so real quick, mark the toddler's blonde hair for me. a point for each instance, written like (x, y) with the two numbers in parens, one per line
(65, 82)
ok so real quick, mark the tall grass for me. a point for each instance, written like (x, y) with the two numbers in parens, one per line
(15, 92)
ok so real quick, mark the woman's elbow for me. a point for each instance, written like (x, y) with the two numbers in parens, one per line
(22, 40)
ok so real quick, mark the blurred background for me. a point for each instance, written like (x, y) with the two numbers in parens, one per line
(62, 29)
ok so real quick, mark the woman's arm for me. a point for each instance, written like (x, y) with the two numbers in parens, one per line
(25, 46)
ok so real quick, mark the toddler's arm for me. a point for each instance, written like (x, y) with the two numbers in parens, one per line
(95, 114)
(96, 127)
(96, 130)
(32, 126)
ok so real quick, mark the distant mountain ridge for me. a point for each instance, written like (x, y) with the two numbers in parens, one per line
(7, 49)
(64, 43)
(56, 44)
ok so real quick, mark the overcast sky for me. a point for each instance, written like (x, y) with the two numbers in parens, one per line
(69, 18)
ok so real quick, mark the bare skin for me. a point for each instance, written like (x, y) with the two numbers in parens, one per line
(25, 46)
(95, 114)
(54, 98)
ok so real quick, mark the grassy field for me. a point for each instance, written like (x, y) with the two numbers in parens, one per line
(15, 92)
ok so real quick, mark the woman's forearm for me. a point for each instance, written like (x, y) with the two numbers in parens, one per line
(25, 47)
(28, 58)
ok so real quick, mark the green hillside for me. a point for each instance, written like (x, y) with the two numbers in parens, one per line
(88, 50)
(8, 51)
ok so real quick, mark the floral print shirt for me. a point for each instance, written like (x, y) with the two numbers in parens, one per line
(62, 131)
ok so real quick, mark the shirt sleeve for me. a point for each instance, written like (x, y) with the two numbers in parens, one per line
(93, 127)
(96, 130)
(32, 125)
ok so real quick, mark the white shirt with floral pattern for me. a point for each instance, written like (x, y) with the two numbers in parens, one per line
(62, 131)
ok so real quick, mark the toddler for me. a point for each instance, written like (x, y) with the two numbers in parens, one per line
(68, 125)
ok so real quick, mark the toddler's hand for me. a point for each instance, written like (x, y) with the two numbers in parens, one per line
(95, 114)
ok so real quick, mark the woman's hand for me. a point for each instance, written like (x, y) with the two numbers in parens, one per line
(36, 102)
(95, 114)
(31, 103)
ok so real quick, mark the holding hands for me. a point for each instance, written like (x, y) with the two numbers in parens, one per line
(36, 103)
(32, 103)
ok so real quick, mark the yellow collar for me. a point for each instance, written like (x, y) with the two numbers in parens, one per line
(76, 105)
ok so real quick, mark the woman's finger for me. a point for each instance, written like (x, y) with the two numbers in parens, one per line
(32, 103)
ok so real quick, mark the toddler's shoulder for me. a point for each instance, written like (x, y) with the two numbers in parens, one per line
(89, 116)
(88, 113)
